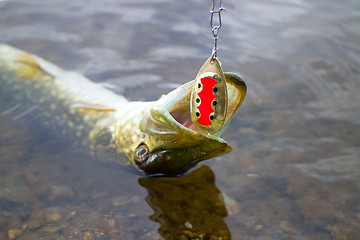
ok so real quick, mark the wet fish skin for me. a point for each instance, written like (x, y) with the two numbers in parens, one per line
(84, 112)
(55, 96)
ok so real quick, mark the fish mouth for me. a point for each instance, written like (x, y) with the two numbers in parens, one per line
(179, 107)
(177, 103)
(175, 144)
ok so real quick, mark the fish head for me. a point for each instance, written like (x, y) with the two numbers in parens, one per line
(172, 148)
(169, 142)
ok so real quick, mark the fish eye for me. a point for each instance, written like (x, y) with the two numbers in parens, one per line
(141, 154)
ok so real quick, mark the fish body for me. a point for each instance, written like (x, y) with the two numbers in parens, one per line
(156, 137)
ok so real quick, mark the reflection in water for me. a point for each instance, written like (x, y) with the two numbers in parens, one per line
(187, 207)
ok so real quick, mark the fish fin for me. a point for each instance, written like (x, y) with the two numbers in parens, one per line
(93, 106)
(25, 66)
(22, 64)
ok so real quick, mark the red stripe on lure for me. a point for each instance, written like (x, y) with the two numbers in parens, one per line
(206, 97)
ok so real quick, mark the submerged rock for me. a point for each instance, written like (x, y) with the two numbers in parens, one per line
(53, 217)
(14, 233)
(51, 228)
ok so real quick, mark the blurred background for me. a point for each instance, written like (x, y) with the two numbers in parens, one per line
(294, 172)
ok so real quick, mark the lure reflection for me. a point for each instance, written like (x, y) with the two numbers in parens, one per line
(187, 207)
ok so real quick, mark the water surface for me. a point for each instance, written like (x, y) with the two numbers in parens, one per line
(294, 172)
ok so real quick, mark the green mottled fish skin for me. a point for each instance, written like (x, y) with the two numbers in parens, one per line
(72, 107)
(66, 103)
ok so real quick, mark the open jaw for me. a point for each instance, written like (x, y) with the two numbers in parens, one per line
(181, 113)
(182, 145)
(177, 103)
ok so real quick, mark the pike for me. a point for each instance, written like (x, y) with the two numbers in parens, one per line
(156, 137)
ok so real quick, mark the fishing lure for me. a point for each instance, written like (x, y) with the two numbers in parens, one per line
(208, 103)
(209, 98)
